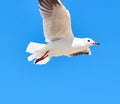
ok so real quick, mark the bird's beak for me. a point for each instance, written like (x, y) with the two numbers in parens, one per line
(96, 43)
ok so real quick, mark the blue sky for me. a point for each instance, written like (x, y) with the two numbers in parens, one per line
(79, 80)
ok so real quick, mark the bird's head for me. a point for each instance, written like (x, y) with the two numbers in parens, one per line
(90, 42)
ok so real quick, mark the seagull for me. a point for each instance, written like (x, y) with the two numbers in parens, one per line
(58, 35)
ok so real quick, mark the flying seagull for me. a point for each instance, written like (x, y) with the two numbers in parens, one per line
(58, 35)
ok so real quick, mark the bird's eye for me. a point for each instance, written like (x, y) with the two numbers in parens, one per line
(88, 40)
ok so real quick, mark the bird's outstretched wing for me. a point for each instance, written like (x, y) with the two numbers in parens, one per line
(56, 20)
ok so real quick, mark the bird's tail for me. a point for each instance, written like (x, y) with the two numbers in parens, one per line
(37, 50)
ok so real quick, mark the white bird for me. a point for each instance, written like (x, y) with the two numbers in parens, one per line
(58, 34)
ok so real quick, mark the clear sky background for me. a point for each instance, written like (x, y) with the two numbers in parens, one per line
(79, 80)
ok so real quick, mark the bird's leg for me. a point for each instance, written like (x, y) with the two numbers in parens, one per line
(42, 57)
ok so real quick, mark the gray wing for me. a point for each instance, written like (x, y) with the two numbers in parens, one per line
(86, 51)
(56, 20)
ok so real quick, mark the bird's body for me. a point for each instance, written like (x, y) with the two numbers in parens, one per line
(65, 47)
(58, 34)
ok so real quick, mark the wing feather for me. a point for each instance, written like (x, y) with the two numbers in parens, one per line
(56, 20)
(86, 51)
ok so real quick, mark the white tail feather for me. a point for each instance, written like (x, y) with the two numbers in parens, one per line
(35, 55)
(32, 47)
(37, 50)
